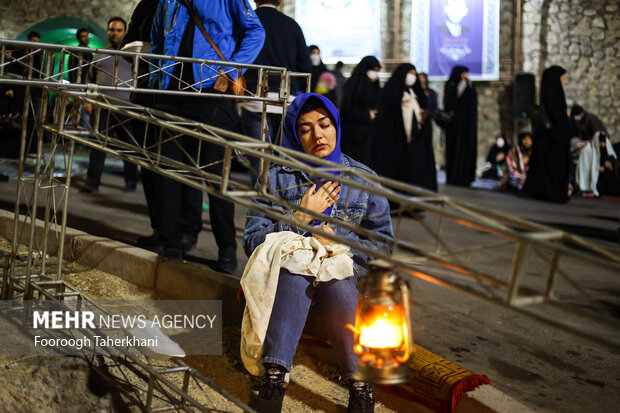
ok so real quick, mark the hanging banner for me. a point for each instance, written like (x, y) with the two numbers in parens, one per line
(448, 33)
(345, 30)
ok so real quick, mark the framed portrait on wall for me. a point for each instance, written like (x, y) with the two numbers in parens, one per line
(447, 33)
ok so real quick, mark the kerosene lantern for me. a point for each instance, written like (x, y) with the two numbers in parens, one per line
(383, 338)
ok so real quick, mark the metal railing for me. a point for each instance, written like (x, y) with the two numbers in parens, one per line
(27, 275)
(450, 249)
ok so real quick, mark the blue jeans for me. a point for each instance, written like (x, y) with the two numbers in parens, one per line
(250, 126)
(336, 302)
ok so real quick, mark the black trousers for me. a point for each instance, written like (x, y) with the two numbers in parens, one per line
(181, 205)
(120, 126)
(149, 178)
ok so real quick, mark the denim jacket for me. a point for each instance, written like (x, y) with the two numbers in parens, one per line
(365, 209)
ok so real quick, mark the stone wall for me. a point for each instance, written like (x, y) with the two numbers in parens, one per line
(583, 36)
(19, 15)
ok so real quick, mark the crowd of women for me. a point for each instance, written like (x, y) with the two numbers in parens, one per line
(567, 153)
(391, 128)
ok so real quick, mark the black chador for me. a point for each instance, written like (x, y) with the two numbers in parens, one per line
(461, 101)
(403, 142)
(549, 167)
(361, 95)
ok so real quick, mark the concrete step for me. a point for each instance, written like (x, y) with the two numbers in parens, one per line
(182, 280)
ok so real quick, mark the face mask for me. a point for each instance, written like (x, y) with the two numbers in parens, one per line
(373, 75)
(500, 142)
(578, 117)
(315, 59)
(410, 79)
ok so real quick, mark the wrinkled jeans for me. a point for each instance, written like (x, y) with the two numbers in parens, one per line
(336, 303)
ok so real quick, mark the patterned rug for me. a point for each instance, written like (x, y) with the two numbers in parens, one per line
(435, 382)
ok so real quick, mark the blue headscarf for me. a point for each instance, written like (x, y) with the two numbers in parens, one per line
(291, 141)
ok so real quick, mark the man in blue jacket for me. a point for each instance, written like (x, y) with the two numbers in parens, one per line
(238, 33)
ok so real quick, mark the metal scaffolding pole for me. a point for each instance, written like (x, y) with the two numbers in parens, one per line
(435, 260)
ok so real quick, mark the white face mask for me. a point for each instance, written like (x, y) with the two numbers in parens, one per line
(315, 59)
(373, 75)
(500, 142)
(410, 79)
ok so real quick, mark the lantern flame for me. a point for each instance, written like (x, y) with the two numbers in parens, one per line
(383, 329)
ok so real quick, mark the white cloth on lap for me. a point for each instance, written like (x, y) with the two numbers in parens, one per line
(299, 255)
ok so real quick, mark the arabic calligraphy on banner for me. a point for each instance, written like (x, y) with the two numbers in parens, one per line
(447, 33)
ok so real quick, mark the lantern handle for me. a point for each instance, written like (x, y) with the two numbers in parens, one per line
(404, 294)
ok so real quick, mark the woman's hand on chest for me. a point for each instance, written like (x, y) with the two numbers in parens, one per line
(319, 200)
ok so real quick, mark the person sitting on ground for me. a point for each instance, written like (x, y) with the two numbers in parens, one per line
(587, 123)
(496, 158)
(585, 151)
(608, 182)
(278, 299)
(515, 168)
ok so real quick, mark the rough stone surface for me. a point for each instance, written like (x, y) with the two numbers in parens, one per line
(585, 40)
(25, 14)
